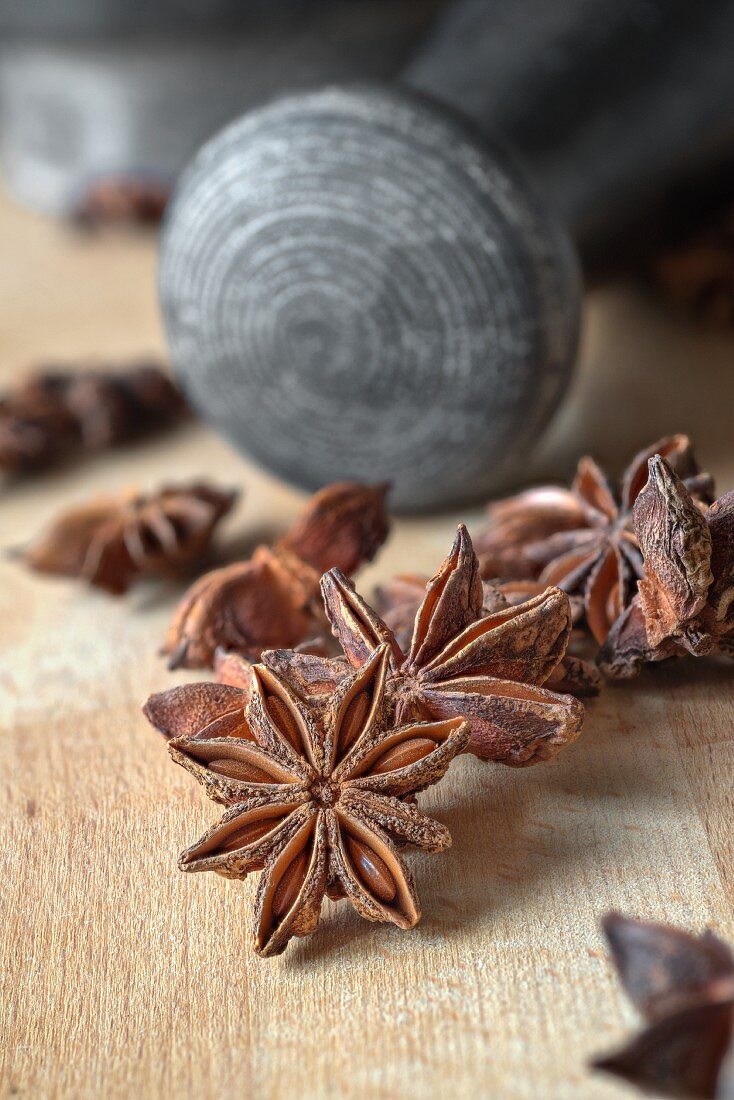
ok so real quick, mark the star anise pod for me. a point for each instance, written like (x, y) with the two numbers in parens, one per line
(53, 413)
(686, 593)
(581, 539)
(398, 602)
(272, 600)
(314, 800)
(111, 540)
(121, 200)
(489, 669)
(683, 986)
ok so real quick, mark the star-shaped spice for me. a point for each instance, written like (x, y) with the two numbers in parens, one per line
(581, 539)
(272, 599)
(488, 669)
(51, 413)
(686, 593)
(683, 986)
(398, 602)
(314, 800)
(111, 540)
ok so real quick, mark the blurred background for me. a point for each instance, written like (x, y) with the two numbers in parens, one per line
(618, 115)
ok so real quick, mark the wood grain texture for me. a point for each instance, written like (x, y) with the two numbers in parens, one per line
(121, 977)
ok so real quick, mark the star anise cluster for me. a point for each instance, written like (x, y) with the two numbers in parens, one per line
(110, 541)
(319, 759)
(53, 414)
(582, 539)
(685, 602)
(272, 599)
(683, 986)
(318, 799)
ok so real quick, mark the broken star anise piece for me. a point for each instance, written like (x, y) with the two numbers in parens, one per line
(489, 669)
(686, 593)
(316, 801)
(683, 986)
(271, 600)
(111, 540)
(581, 539)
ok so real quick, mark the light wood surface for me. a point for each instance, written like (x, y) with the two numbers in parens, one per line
(121, 977)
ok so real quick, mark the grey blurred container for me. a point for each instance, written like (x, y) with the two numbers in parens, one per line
(91, 89)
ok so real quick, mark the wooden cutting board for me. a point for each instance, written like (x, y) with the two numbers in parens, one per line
(121, 977)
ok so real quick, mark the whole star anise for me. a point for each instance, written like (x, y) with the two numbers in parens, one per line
(111, 540)
(272, 599)
(686, 593)
(581, 539)
(53, 413)
(315, 800)
(488, 669)
(398, 602)
(122, 200)
(683, 986)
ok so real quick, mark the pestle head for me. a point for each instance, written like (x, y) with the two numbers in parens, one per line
(356, 285)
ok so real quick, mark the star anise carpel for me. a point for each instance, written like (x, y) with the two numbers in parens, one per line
(109, 541)
(315, 800)
(685, 602)
(683, 986)
(582, 539)
(490, 669)
(272, 599)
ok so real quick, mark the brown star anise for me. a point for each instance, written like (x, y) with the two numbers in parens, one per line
(581, 539)
(315, 800)
(272, 599)
(122, 200)
(486, 668)
(398, 602)
(686, 593)
(683, 986)
(53, 413)
(111, 540)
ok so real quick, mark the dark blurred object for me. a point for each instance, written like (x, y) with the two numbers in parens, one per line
(697, 275)
(399, 301)
(623, 109)
(104, 89)
(52, 414)
(121, 201)
(683, 986)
